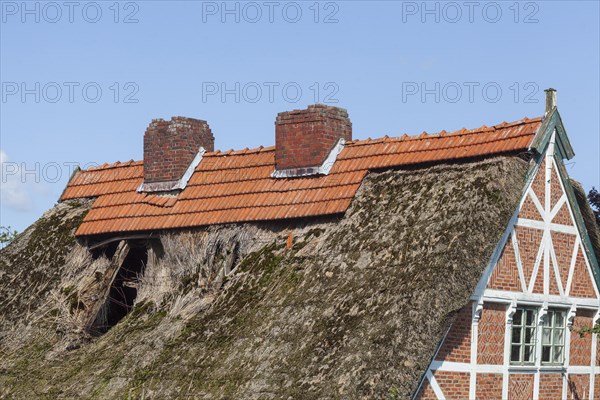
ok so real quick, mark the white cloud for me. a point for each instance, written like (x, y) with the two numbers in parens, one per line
(14, 191)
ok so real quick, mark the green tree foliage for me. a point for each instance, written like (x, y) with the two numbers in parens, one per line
(594, 199)
(7, 235)
(582, 332)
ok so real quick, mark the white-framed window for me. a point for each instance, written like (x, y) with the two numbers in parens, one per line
(523, 336)
(553, 337)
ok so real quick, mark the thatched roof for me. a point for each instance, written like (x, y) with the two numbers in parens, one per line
(355, 309)
(588, 217)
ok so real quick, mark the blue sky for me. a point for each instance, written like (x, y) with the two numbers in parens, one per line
(81, 81)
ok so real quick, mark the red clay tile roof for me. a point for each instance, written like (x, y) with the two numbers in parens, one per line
(236, 186)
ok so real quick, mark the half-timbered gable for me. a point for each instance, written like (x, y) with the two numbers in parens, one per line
(521, 336)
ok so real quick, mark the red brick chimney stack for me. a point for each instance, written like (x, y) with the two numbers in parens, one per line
(304, 138)
(171, 146)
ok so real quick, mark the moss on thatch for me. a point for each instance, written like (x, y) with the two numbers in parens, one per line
(588, 217)
(355, 309)
(33, 264)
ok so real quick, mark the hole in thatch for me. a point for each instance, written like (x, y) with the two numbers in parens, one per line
(123, 290)
(157, 248)
(108, 251)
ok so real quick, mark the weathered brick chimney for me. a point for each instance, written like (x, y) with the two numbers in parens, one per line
(550, 101)
(304, 139)
(170, 147)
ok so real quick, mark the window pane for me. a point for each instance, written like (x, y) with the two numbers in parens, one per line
(517, 317)
(529, 335)
(515, 355)
(546, 354)
(528, 354)
(516, 335)
(559, 336)
(559, 319)
(558, 352)
(530, 317)
(546, 336)
(548, 320)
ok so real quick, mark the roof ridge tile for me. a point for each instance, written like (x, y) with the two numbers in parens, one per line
(463, 131)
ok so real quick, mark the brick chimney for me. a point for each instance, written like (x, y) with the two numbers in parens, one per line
(305, 138)
(550, 101)
(170, 147)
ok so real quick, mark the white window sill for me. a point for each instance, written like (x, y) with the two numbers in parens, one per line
(536, 368)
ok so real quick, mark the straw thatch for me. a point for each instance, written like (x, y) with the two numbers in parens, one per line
(589, 218)
(354, 309)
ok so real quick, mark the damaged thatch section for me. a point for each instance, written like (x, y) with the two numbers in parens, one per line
(32, 267)
(354, 309)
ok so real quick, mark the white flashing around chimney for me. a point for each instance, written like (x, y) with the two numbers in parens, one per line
(174, 185)
(322, 169)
